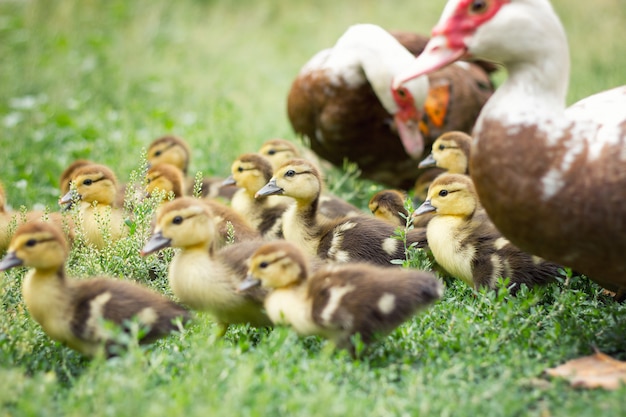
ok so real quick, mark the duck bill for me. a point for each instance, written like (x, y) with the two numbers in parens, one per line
(156, 242)
(410, 136)
(426, 207)
(247, 283)
(427, 162)
(10, 261)
(69, 199)
(229, 181)
(269, 189)
(437, 54)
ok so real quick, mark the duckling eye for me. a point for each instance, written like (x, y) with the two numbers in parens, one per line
(271, 152)
(158, 153)
(240, 169)
(177, 220)
(442, 147)
(478, 6)
(264, 265)
(443, 193)
(290, 173)
(31, 242)
(88, 182)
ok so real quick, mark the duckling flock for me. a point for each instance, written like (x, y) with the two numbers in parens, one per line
(269, 246)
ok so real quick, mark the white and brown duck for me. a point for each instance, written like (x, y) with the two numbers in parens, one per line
(74, 312)
(337, 301)
(552, 179)
(201, 276)
(468, 246)
(342, 103)
(357, 238)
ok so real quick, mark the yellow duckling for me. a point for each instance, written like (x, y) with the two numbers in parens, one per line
(201, 276)
(95, 188)
(357, 238)
(73, 311)
(173, 150)
(468, 246)
(337, 301)
(250, 172)
(279, 151)
(230, 224)
(388, 205)
(451, 151)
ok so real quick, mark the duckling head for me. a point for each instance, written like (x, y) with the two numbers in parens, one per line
(166, 179)
(92, 183)
(251, 172)
(169, 150)
(36, 244)
(450, 195)
(451, 152)
(185, 223)
(275, 265)
(384, 202)
(278, 151)
(297, 178)
(68, 173)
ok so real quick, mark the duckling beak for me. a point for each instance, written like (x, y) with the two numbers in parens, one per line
(269, 189)
(229, 181)
(156, 242)
(429, 161)
(9, 261)
(248, 282)
(426, 207)
(68, 199)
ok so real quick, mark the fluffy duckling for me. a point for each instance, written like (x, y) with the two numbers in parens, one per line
(250, 172)
(201, 276)
(231, 225)
(173, 150)
(358, 238)
(388, 205)
(467, 244)
(65, 180)
(279, 151)
(451, 151)
(337, 301)
(95, 188)
(72, 311)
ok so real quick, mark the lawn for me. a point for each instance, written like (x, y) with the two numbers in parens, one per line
(100, 79)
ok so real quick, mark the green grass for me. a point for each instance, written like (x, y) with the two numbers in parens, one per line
(100, 79)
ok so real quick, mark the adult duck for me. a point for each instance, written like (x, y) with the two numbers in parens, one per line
(341, 102)
(552, 179)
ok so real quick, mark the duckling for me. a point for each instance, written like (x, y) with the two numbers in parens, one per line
(337, 301)
(451, 151)
(95, 187)
(250, 172)
(231, 225)
(358, 238)
(388, 205)
(173, 150)
(468, 246)
(423, 181)
(201, 276)
(73, 311)
(279, 151)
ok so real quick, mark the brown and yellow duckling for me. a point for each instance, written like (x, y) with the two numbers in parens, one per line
(95, 188)
(357, 238)
(73, 311)
(468, 246)
(250, 172)
(231, 225)
(174, 150)
(279, 151)
(337, 301)
(201, 276)
(388, 205)
(451, 151)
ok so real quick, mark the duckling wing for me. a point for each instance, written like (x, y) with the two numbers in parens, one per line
(118, 301)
